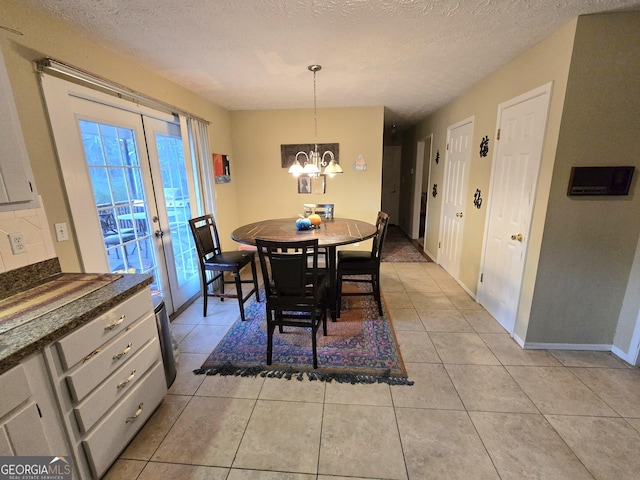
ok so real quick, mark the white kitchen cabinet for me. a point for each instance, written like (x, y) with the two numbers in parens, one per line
(109, 378)
(16, 185)
(29, 419)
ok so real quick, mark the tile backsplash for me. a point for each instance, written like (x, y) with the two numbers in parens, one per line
(33, 225)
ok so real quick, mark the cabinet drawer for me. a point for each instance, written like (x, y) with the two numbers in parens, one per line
(15, 389)
(92, 408)
(109, 358)
(77, 345)
(113, 433)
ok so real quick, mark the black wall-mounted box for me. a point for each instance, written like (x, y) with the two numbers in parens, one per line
(600, 180)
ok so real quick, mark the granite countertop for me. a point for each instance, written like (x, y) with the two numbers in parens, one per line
(23, 340)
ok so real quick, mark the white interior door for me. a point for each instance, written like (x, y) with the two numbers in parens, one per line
(456, 175)
(120, 214)
(521, 124)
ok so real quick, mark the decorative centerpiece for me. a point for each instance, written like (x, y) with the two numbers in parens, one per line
(307, 223)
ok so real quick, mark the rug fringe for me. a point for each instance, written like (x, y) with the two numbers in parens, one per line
(312, 375)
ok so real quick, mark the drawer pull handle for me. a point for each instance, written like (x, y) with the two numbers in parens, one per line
(124, 382)
(115, 323)
(135, 415)
(118, 356)
(91, 355)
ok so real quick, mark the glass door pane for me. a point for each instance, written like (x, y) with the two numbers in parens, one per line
(119, 192)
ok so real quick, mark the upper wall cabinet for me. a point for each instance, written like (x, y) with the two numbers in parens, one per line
(17, 190)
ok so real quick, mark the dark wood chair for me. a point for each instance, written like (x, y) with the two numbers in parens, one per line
(214, 260)
(363, 267)
(296, 289)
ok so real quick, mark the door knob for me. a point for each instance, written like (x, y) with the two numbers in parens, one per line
(459, 214)
(517, 237)
(159, 233)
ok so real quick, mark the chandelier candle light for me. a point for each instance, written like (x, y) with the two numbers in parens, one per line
(313, 160)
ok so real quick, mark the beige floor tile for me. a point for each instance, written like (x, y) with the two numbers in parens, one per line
(609, 447)
(231, 386)
(192, 315)
(180, 330)
(417, 347)
(203, 339)
(361, 441)
(151, 435)
(482, 321)
(396, 299)
(489, 388)
(125, 470)
(510, 353)
(442, 444)
(444, 321)
(207, 433)
(239, 474)
(570, 358)
(555, 390)
(634, 422)
(462, 348)
(293, 390)
(525, 446)
(157, 471)
(421, 283)
(406, 319)
(449, 285)
(186, 382)
(282, 436)
(435, 301)
(620, 388)
(435, 270)
(432, 388)
(463, 301)
(378, 394)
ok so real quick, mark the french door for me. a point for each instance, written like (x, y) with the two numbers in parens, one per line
(130, 189)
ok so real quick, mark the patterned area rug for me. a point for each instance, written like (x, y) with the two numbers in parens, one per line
(398, 248)
(359, 348)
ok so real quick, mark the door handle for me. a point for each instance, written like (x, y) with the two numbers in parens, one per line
(159, 233)
(517, 237)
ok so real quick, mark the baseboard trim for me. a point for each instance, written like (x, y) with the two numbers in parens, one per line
(568, 346)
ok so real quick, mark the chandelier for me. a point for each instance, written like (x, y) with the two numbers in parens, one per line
(314, 163)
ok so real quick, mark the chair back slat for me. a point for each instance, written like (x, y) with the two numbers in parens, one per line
(325, 210)
(382, 222)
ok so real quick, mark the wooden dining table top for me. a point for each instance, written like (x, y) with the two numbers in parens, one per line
(330, 233)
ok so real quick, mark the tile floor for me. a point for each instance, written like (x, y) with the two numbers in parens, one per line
(481, 407)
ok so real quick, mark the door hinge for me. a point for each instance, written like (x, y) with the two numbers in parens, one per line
(498, 136)
(30, 187)
(39, 412)
(481, 277)
(447, 147)
(439, 244)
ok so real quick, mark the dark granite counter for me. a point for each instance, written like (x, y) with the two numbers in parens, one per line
(25, 339)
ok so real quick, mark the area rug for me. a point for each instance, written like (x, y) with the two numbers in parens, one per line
(399, 248)
(360, 347)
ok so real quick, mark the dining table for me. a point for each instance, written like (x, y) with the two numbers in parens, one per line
(331, 233)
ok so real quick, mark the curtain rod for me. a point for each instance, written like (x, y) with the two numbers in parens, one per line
(49, 65)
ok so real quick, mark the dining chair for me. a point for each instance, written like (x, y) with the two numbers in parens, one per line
(217, 262)
(325, 210)
(295, 289)
(362, 266)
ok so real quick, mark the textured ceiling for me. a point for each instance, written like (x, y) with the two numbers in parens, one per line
(410, 56)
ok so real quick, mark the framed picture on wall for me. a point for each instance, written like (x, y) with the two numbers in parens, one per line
(304, 184)
(319, 184)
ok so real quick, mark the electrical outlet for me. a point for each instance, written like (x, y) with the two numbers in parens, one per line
(18, 245)
(61, 232)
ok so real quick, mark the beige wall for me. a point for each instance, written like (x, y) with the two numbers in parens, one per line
(45, 37)
(546, 62)
(590, 242)
(269, 191)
